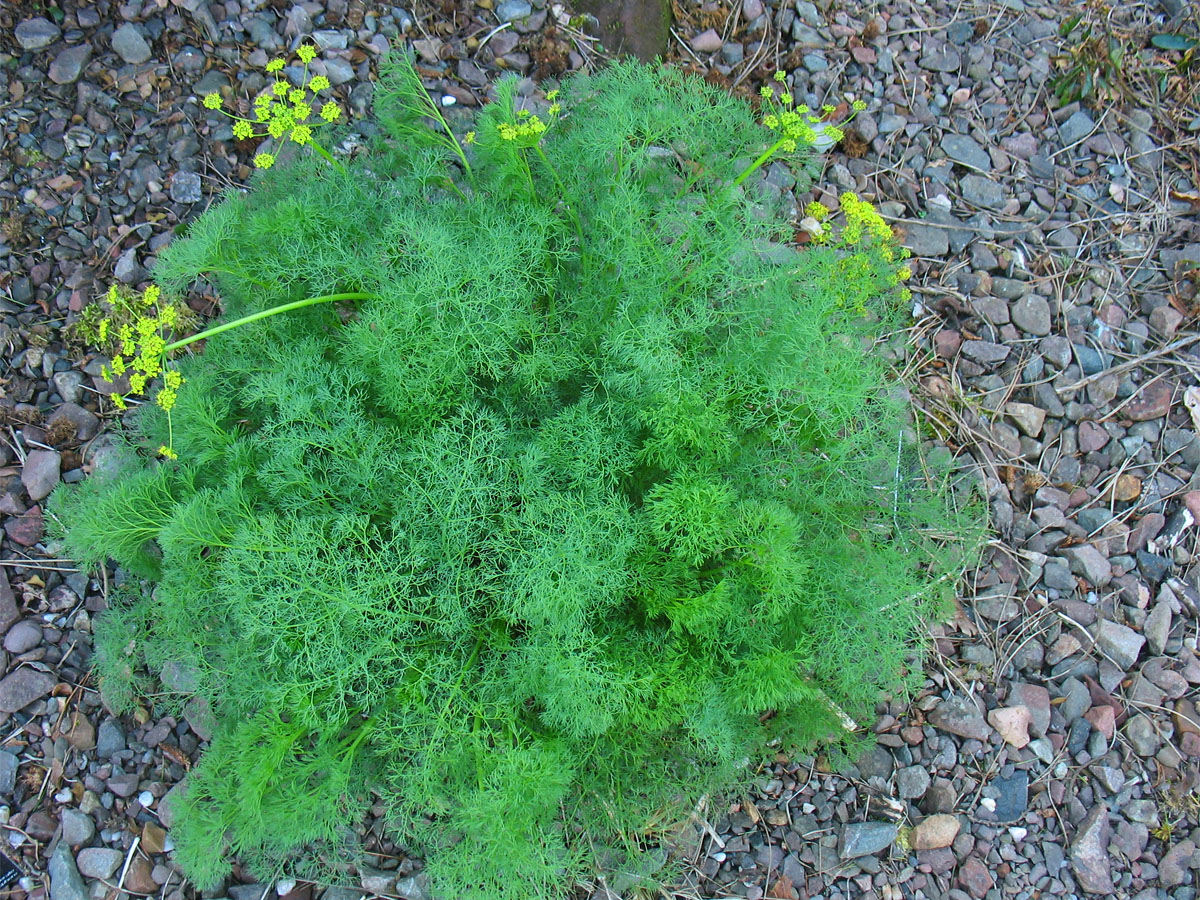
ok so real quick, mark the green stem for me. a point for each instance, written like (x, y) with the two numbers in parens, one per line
(757, 164)
(562, 192)
(275, 310)
(325, 153)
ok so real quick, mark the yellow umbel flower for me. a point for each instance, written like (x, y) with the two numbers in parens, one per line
(330, 112)
(306, 52)
(264, 160)
(781, 76)
(301, 134)
(275, 65)
(243, 130)
(212, 101)
(319, 83)
(167, 453)
(118, 401)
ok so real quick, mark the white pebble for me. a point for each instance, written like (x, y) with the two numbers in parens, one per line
(447, 100)
(27, 884)
(1018, 833)
(63, 796)
(286, 886)
(146, 798)
(988, 803)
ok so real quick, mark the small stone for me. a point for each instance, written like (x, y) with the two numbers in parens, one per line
(37, 33)
(934, 832)
(1012, 723)
(123, 785)
(65, 883)
(1152, 402)
(707, 42)
(512, 10)
(22, 687)
(912, 782)
(946, 343)
(185, 188)
(41, 473)
(924, 240)
(99, 862)
(86, 424)
(1010, 796)
(1153, 566)
(126, 270)
(81, 734)
(1110, 777)
(1029, 418)
(166, 806)
(982, 192)
(128, 43)
(1031, 314)
(940, 59)
(8, 772)
(865, 839)
(414, 887)
(138, 878)
(1174, 865)
(1092, 437)
(338, 71)
(1090, 861)
(958, 715)
(26, 529)
(1088, 562)
(1076, 128)
(985, 352)
(975, 878)
(1126, 488)
(154, 837)
(111, 739)
(77, 829)
(1036, 699)
(1103, 719)
(68, 64)
(1142, 735)
(966, 151)
(1157, 627)
(1120, 643)
(22, 637)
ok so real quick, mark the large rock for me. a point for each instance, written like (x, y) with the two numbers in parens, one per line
(1090, 861)
(41, 472)
(129, 44)
(934, 832)
(22, 687)
(958, 715)
(65, 882)
(865, 838)
(37, 33)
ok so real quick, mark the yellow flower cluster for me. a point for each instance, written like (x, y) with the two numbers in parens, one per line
(139, 346)
(862, 218)
(133, 330)
(798, 126)
(284, 111)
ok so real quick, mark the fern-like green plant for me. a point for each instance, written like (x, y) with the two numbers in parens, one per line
(586, 502)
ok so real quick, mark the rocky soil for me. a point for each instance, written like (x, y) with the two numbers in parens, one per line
(1054, 748)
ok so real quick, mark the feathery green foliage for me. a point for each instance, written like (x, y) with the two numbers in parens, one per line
(594, 502)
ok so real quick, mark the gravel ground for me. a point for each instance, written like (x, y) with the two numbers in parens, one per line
(1053, 750)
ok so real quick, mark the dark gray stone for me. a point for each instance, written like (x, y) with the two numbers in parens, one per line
(1090, 862)
(36, 33)
(65, 881)
(68, 66)
(964, 150)
(129, 44)
(865, 838)
(185, 187)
